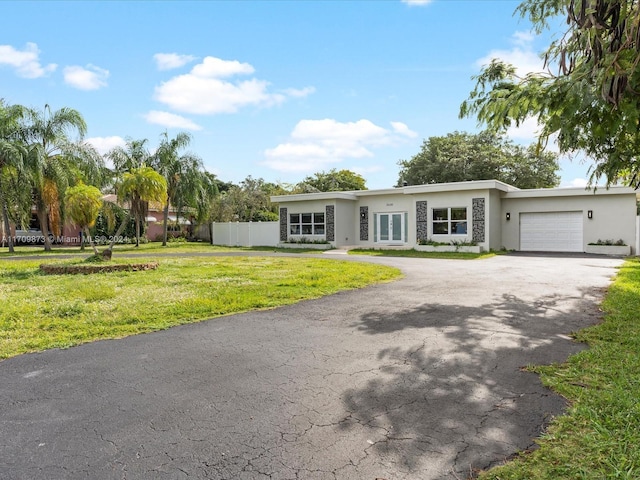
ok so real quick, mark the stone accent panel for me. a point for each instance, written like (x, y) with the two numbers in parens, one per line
(364, 223)
(478, 220)
(422, 221)
(330, 219)
(284, 234)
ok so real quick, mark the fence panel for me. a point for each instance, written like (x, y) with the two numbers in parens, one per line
(243, 234)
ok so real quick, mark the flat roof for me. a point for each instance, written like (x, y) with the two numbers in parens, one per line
(507, 191)
(408, 190)
(570, 192)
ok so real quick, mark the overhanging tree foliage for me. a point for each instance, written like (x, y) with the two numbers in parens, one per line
(589, 97)
(461, 157)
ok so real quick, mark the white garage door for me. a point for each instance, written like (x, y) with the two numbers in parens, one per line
(551, 232)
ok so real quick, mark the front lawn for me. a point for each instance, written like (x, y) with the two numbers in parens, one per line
(46, 311)
(150, 248)
(599, 437)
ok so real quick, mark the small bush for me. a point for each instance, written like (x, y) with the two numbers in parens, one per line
(618, 243)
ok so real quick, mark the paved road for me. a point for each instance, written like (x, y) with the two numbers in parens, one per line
(417, 379)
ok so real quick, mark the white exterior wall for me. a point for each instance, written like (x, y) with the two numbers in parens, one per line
(345, 223)
(310, 206)
(383, 204)
(494, 219)
(461, 199)
(614, 216)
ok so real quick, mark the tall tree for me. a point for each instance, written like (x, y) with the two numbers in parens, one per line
(12, 154)
(183, 174)
(589, 97)
(83, 204)
(247, 202)
(134, 154)
(206, 196)
(332, 181)
(139, 187)
(461, 157)
(56, 160)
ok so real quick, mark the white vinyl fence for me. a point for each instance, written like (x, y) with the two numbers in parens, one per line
(242, 234)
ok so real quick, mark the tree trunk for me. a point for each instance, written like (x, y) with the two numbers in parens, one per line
(211, 232)
(137, 231)
(44, 227)
(118, 232)
(87, 234)
(5, 221)
(164, 227)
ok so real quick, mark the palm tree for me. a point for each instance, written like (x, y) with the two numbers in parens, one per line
(206, 195)
(83, 204)
(183, 174)
(133, 155)
(139, 187)
(56, 161)
(12, 153)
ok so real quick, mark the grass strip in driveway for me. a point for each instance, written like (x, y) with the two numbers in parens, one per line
(599, 437)
(47, 311)
(417, 254)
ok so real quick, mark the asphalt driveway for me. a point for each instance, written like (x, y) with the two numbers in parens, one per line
(416, 379)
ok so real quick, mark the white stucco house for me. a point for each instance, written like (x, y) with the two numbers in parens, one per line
(490, 213)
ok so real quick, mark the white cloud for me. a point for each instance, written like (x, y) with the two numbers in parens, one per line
(315, 144)
(203, 90)
(212, 67)
(575, 183)
(402, 129)
(417, 2)
(26, 62)
(86, 78)
(170, 120)
(169, 61)
(105, 144)
(528, 130)
(522, 56)
(299, 92)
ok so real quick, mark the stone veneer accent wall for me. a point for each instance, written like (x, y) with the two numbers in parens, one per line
(330, 219)
(283, 225)
(478, 218)
(364, 223)
(422, 221)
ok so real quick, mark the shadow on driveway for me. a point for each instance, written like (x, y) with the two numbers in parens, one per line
(460, 396)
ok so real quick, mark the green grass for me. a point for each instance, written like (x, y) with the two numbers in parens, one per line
(599, 437)
(46, 311)
(150, 248)
(416, 254)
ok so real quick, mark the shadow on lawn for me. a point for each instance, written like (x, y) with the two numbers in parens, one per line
(459, 390)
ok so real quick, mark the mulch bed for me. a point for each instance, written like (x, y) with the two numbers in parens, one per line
(50, 269)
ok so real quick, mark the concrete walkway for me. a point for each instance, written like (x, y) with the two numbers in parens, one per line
(417, 379)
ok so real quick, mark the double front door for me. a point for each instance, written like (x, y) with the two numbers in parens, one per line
(391, 227)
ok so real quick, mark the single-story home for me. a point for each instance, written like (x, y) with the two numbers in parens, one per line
(488, 213)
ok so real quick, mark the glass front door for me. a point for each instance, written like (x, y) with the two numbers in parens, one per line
(391, 227)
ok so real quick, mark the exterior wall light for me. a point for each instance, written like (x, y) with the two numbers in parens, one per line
(590, 214)
(508, 216)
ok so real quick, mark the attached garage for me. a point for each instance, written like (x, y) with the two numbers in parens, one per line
(551, 231)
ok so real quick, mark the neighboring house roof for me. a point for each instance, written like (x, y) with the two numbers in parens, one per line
(153, 206)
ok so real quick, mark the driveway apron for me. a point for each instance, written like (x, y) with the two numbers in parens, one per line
(420, 378)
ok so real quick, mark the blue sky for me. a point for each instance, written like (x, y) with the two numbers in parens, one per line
(271, 89)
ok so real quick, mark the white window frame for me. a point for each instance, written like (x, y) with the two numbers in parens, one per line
(404, 227)
(308, 224)
(448, 221)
